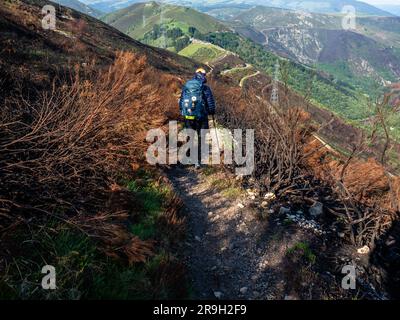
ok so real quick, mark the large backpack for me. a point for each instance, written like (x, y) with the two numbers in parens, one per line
(192, 103)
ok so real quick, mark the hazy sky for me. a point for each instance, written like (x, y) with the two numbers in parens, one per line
(376, 2)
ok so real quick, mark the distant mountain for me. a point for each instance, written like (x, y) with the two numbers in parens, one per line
(382, 29)
(108, 6)
(366, 57)
(81, 7)
(163, 25)
(316, 6)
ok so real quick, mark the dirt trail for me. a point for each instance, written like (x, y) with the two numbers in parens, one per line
(248, 77)
(230, 253)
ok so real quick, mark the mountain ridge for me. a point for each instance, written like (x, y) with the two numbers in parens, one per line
(81, 7)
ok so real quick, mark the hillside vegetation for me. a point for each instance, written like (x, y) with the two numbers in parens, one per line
(162, 24)
(365, 57)
(202, 52)
(75, 192)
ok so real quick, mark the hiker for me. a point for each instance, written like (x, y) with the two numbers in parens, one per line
(196, 104)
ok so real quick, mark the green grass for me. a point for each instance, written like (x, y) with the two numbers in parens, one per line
(202, 52)
(229, 188)
(82, 270)
(303, 249)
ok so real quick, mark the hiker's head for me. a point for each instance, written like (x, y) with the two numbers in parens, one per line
(201, 74)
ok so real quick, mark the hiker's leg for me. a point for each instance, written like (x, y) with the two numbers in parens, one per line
(188, 125)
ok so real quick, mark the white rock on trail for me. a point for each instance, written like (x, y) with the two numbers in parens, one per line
(264, 204)
(363, 250)
(240, 205)
(243, 290)
(270, 196)
(218, 294)
(316, 209)
(197, 238)
(284, 210)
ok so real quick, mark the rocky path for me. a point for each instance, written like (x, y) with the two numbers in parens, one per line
(231, 254)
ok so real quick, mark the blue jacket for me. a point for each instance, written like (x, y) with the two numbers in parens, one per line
(208, 95)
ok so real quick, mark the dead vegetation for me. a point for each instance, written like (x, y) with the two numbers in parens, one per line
(63, 155)
(357, 194)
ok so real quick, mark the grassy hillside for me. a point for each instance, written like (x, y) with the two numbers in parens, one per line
(140, 19)
(366, 58)
(338, 97)
(202, 52)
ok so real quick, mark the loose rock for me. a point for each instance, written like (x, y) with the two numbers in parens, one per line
(363, 250)
(316, 209)
(284, 210)
(243, 290)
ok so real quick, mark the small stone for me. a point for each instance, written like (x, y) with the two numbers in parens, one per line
(210, 213)
(251, 192)
(316, 209)
(243, 290)
(240, 205)
(341, 234)
(264, 204)
(284, 210)
(218, 294)
(363, 250)
(270, 196)
(197, 238)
